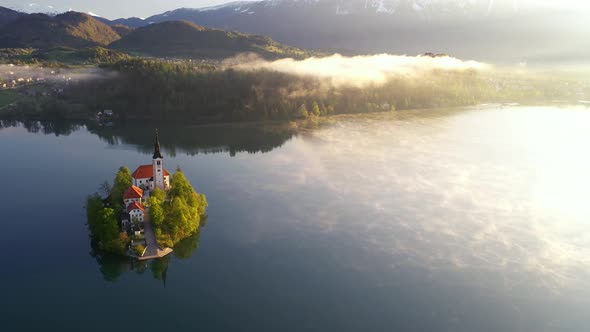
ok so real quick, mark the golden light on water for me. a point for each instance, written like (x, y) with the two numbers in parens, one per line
(499, 191)
(557, 142)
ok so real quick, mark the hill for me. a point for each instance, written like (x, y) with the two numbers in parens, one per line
(71, 29)
(185, 39)
(122, 30)
(8, 15)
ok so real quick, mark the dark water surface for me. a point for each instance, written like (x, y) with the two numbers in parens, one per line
(448, 220)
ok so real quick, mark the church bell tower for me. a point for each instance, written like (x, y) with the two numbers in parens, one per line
(158, 165)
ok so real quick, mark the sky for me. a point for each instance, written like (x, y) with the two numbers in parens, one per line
(113, 9)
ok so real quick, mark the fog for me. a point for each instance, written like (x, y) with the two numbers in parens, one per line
(357, 70)
(54, 75)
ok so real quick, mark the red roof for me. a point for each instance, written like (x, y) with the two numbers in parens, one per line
(146, 171)
(133, 192)
(135, 206)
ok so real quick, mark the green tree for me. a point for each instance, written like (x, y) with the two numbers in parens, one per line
(123, 181)
(181, 215)
(107, 228)
(104, 227)
(315, 109)
(181, 187)
(159, 194)
(156, 211)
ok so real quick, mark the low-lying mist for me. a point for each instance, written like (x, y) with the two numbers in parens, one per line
(357, 70)
(50, 74)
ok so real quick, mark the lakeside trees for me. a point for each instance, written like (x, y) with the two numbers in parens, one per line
(104, 226)
(123, 181)
(166, 91)
(103, 219)
(176, 215)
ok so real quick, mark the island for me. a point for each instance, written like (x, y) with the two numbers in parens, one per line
(145, 213)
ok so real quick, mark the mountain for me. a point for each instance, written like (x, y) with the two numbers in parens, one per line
(71, 29)
(122, 30)
(132, 22)
(8, 15)
(181, 38)
(500, 30)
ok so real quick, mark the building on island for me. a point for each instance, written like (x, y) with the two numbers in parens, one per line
(145, 178)
(149, 177)
(136, 211)
(133, 194)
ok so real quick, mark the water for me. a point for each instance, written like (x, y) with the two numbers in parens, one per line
(440, 220)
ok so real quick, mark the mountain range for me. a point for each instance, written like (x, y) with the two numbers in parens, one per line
(169, 38)
(494, 31)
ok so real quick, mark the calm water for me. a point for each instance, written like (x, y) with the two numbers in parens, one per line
(448, 220)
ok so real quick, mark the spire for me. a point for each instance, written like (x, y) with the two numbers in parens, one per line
(157, 153)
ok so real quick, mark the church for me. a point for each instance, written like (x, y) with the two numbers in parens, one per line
(146, 178)
(154, 175)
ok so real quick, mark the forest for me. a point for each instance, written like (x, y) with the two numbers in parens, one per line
(199, 92)
(172, 91)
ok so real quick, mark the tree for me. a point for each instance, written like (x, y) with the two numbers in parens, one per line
(203, 204)
(302, 111)
(107, 228)
(123, 181)
(104, 227)
(181, 216)
(159, 194)
(156, 211)
(315, 109)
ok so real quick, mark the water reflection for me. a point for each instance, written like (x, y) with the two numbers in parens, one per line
(112, 267)
(190, 140)
(457, 220)
(57, 127)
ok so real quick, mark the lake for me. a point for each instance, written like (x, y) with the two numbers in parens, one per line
(470, 219)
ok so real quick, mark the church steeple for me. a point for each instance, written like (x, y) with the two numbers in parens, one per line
(159, 181)
(157, 154)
